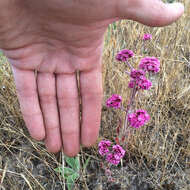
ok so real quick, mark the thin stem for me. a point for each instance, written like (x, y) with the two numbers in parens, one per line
(131, 67)
(131, 102)
(122, 109)
(127, 73)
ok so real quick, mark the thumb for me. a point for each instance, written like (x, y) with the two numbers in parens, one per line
(151, 12)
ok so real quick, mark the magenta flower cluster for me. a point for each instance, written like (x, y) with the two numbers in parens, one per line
(137, 74)
(150, 64)
(114, 155)
(103, 147)
(143, 84)
(138, 77)
(147, 37)
(114, 101)
(138, 80)
(124, 55)
(138, 118)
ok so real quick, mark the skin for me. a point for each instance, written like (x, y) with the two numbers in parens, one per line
(55, 49)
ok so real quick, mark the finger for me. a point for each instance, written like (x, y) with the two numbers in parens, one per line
(27, 94)
(68, 102)
(91, 93)
(47, 96)
(151, 12)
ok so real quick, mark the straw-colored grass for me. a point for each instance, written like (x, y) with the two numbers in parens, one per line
(158, 153)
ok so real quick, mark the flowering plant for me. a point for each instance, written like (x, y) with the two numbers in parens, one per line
(133, 118)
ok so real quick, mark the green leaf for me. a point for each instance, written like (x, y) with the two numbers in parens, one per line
(71, 180)
(73, 162)
(77, 163)
(70, 161)
(67, 171)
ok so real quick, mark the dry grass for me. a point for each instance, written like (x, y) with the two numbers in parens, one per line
(162, 147)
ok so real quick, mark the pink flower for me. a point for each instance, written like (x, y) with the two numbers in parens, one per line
(112, 159)
(118, 151)
(138, 118)
(150, 64)
(124, 55)
(147, 37)
(132, 84)
(142, 83)
(137, 74)
(103, 147)
(114, 101)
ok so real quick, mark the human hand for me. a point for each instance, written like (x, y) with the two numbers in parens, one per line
(47, 43)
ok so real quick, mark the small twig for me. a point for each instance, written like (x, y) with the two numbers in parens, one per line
(4, 173)
(11, 172)
(22, 175)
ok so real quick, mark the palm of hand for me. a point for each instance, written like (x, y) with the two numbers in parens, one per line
(47, 43)
(56, 49)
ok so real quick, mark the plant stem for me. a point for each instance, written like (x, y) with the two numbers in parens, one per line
(131, 102)
(131, 67)
(127, 73)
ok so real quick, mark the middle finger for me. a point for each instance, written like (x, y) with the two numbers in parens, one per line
(68, 102)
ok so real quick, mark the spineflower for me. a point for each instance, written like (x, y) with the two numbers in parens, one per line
(112, 155)
(112, 159)
(137, 74)
(124, 55)
(147, 37)
(118, 151)
(142, 83)
(114, 101)
(150, 64)
(138, 118)
(103, 147)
